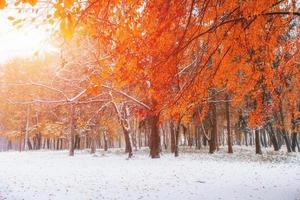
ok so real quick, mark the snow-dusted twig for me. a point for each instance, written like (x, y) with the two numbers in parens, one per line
(128, 96)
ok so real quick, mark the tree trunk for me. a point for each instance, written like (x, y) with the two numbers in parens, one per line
(295, 142)
(273, 137)
(39, 141)
(20, 143)
(27, 128)
(251, 138)
(172, 132)
(9, 145)
(213, 137)
(294, 134)
(93, 142)
(146, 137)
(105, 141)
(29, 144)
(72, 130)
(128, 146)
(60, 143)
(287, 140)
(154, 137)
(56, 143)
(283, 131)
(204, 139)
(257, 142)
(229, 143)
(246, 137)
(164, 130)
(134, 139)
(264, 137)
(140, 138)
(176, 152)
(77, 142)
(198, 135)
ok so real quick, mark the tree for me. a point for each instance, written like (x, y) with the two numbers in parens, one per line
(170, 58)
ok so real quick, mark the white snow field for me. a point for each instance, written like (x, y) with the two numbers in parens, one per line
(54, 175)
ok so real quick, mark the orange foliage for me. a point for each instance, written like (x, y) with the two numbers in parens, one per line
(171, 54)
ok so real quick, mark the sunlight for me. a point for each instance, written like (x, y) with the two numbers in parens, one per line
(23, 42)
(19, 43)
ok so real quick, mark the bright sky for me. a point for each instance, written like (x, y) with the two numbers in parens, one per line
(22, 42)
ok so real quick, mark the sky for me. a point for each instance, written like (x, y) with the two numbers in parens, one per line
(23, 42)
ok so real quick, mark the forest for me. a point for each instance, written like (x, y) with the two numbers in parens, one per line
(157, 76)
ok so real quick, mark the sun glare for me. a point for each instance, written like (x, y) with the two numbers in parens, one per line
(22, 42)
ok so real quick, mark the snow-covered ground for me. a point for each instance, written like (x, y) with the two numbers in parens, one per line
(243, 175)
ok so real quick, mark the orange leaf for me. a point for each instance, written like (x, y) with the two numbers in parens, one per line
(32, 2)
(68, 3)
(2, 4)
(67, 26)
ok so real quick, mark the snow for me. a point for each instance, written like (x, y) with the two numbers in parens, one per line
(194, 175)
